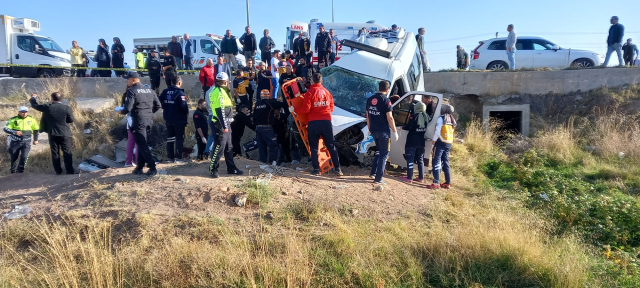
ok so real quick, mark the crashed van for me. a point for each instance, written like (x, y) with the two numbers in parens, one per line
(391, 55)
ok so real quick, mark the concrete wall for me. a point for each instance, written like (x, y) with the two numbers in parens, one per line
(529, 82)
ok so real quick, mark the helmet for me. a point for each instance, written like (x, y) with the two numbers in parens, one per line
(265, 93)
(222, 76)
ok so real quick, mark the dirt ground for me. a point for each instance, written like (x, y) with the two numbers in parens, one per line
(187, 189)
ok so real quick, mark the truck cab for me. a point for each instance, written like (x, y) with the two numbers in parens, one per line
(391, 55)
(29, 53)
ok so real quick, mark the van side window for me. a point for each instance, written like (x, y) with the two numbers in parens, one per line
(414, 72)
(208, 47)
(26, 43)
(401, 111)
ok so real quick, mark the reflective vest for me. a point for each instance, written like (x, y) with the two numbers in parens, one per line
(219, 98)
(446, 132)
(140, 58)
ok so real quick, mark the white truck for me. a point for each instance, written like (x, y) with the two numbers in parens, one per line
(203, 47)
(20, 46)
(344, 31)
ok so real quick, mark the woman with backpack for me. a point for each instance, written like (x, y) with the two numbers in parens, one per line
(414, 147)
(443, 136)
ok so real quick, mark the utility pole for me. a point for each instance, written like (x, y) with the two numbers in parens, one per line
(333, 19)
(248, 23)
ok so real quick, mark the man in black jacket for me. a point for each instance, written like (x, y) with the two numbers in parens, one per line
(323, 46)
(169, 67)
(142, 102)
(249, 44)
(229, 47)
(117, 56)
(175, 112)
(264, 118)
(154, 65)
(240, 120)
(201, 124)
(266, 44)
(55, 122)
(175, 49)
(614, 41)
(301, 48)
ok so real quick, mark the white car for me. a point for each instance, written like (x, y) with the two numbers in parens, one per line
(533, 52)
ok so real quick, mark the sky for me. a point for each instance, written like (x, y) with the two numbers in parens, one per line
(577, 24)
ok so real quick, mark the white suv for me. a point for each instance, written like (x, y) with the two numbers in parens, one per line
(533, 52)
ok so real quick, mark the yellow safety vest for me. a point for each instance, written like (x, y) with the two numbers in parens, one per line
(446, 132)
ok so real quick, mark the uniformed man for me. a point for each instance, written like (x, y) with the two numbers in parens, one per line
(21, 130)
(380, 122)
(155, 70)
(263, 119)
(169, 65)
(141, 102)
(222, 109)
(240, 90)
(175, 112)
(240, 121)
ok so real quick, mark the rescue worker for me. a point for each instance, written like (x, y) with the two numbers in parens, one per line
(263, 119)
(154, 66)
(169, 67)
(445, 127)
(318, 103)
(175, 112)
(222, 109)
(141, 102)
(379, 120)
(117, 56)
(323, 46)
(282, 136)
(139, 60)
(201, 124)
(241, 120)
(21, 129)
(301, 47)
(240, 87)
(250, 73)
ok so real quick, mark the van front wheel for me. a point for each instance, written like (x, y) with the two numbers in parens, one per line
(46, 73)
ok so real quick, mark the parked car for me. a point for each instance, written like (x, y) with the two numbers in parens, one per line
(533, 52)
(91, 54)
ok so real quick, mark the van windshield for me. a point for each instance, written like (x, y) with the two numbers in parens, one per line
(49, 45)
(350, 90)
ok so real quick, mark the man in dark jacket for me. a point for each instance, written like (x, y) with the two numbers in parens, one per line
(462, 58)
(201, 124)
(249, 44)
(240, 120)
(281, 129)
(266, 44)
(229, 47)
(323, 46)
(305, 71)
(188, 53)
(55, 122)
(141, 102)
(154, 66)
(614, 41)
(264, 118)
(117, 56)
(175, 49)
(301, 47)
(169, 67)
(629, 50)
(175, 112)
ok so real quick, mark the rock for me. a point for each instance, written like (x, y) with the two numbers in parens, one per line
(301, 192)
(285, 193)
(181, 179)
(269, 216)
(378, 188)
(241, 199)
(207, 197)
(354, 211)
(93, 105)
(590, 148)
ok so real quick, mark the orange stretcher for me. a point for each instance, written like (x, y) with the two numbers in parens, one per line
(294, 91)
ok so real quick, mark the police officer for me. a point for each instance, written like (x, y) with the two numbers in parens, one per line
(169, 65)
(155, 70)
(379, 120)
(21, 128)
(176, 114)
(222, 109)
(142, 102)
(263, 119)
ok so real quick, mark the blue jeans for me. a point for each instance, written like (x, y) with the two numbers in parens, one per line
(380, 160)
(615, 47)
(440, 162)
(210, 138)
(267, 138)
(275, 82)
(511, 55)
(412, 154)
(332, 58)
(324, 129)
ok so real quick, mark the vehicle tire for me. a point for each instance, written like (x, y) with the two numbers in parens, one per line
(498, 65)
(46, 73)
(582, 63)
(94, 73)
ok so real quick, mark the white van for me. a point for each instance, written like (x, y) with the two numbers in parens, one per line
(388, 55)
(344, 31)
(203, 47)
(18, 45)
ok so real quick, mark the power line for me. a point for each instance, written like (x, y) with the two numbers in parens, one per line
(453, 39)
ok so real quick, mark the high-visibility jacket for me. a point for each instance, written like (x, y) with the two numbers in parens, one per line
(446, 130)
(140, 58)
(28, 126)
(221, 105)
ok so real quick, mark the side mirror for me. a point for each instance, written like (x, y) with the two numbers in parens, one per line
(555, 47)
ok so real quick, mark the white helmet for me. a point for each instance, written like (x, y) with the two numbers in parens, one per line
(222, 76)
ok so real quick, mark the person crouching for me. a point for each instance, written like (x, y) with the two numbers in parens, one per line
(444, 138)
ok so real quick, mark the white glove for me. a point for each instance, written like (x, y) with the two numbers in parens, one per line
(291, 109)
(395, 136)
(204, 140)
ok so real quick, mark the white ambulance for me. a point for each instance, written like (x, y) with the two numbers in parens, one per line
(19, 45)
(386, 55)
(203, 47)
(344, 31)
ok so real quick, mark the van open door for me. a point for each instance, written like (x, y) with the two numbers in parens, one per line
(400, 110)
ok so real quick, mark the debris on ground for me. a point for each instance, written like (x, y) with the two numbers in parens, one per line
(354, 211)
(266, 168)
(378, 188)
(264, 179)
(340, 187)
(18, 211)
(240, 199)
(269, 216)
